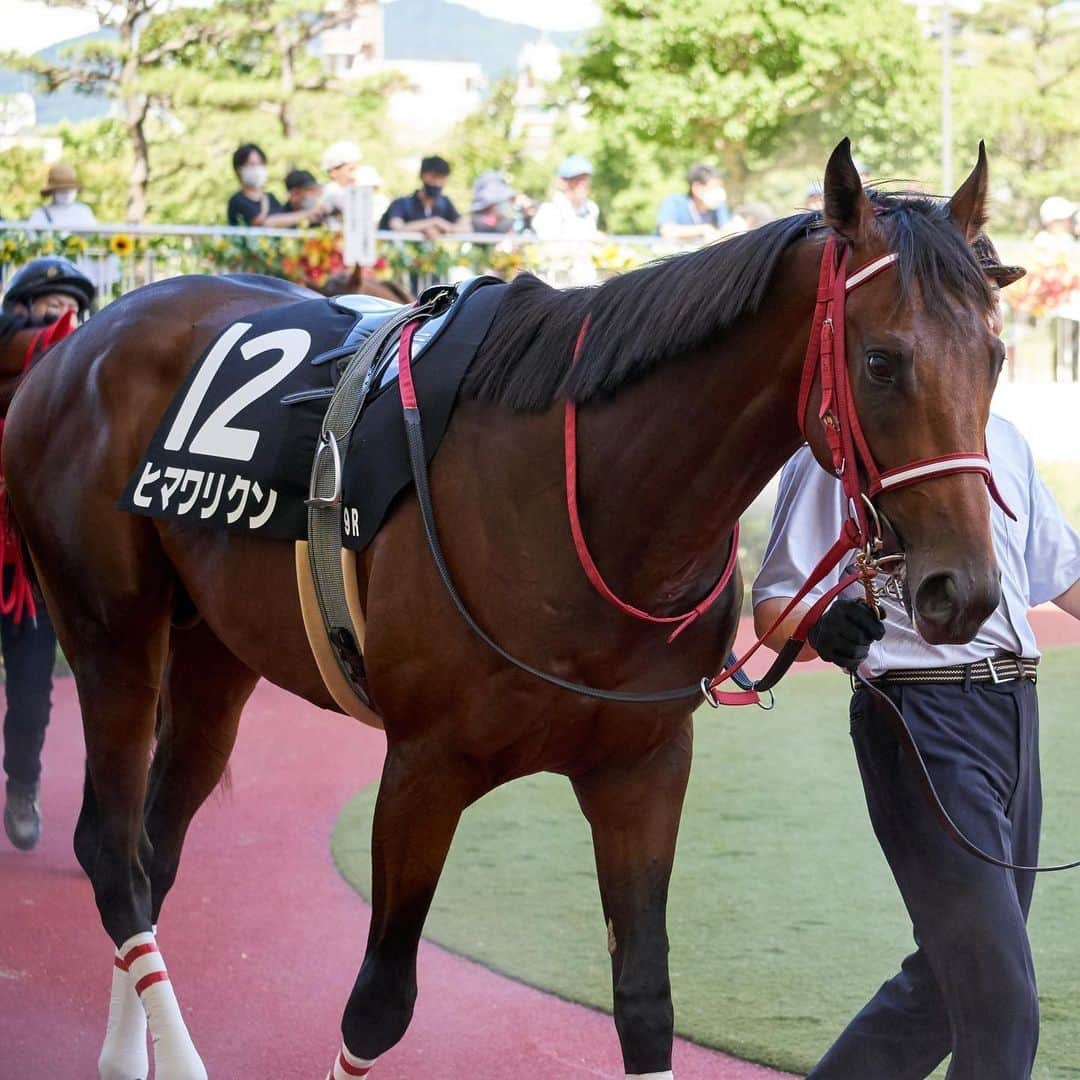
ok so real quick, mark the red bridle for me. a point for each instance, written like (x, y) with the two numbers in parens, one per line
(852, 461)
(826, 362)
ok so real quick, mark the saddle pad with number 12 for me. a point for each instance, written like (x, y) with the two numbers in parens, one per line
(227, 453)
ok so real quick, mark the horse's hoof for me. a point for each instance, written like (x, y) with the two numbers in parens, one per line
(134, 1064)
(129, 1070)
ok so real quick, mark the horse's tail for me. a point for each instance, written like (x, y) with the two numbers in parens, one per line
(16, 599)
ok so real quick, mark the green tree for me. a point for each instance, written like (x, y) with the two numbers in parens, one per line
(1017, 78)
(132, 66)
(750, 84)
(261, 56)
(493, 138)
(177, 72)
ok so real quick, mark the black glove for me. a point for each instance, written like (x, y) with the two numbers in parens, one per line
(843, 634)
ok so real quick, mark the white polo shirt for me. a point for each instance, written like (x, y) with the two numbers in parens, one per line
(1038, 555)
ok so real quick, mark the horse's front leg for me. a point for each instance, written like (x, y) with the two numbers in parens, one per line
(634, 812)
(422, 794)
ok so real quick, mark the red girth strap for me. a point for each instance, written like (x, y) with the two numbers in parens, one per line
(592, 572)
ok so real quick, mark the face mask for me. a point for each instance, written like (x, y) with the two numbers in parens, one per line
(309, 202)
(714, 198)
(64, 198)
(432, 191)
(253, 176)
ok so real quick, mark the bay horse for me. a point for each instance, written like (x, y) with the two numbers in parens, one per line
(686, 383)
(361, 279)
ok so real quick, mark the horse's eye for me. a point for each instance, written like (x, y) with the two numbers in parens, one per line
(880, 367)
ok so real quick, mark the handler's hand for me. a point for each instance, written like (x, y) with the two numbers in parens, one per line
(843, 634)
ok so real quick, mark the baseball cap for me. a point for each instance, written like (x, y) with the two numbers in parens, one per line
(1057, 208)
(343, 152)
(574, 165)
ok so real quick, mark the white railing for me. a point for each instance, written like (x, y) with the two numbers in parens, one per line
(119, 258)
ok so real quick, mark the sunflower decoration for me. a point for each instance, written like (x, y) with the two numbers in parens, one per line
(614, 258)
(508, 260)
(121, 244)
(1052, 283)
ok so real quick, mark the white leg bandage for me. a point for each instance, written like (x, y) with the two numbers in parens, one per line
(175, 1057)
(123, 1054)
(349, 1066)
(669, 1075)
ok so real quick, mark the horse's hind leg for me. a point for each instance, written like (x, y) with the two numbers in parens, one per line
(634, 812)
(110, 596)
(421, 798)
(199, 708)
(206, 688)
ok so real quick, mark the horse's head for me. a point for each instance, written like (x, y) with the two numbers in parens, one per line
(923, 357)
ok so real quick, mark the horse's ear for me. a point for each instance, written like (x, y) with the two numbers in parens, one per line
(847, 209)
(1005, 275)
(967, 207)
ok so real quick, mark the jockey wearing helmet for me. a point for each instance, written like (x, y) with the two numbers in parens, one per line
(43, 291)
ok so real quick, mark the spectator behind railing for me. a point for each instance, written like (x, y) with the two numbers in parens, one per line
(701, 213)
(1058, 230)
(571, 218)
(492, 209)
(62, 210)
(569, 214)
(252, 204)
(340, 161)
(303, 201)
(427, 210)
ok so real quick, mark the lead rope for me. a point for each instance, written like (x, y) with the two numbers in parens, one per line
(922, 775)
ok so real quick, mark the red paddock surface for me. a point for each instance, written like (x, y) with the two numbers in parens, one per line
(263, 938)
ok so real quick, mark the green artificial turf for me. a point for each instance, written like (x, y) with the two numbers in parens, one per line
(783, 916)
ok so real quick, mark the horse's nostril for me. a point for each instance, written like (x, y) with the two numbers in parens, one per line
(938, 599)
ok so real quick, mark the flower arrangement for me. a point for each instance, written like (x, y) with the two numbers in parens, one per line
(308, 258)
(1052, 283)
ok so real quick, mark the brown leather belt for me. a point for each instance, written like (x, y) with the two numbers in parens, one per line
(997, 669)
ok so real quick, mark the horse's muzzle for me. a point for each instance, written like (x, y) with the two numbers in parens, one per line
(950, 607)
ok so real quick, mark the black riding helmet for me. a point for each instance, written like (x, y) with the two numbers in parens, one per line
(50, 274)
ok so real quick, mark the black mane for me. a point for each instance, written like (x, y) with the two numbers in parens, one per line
(678, 304)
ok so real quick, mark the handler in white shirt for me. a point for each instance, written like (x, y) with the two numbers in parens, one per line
(969, 988)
